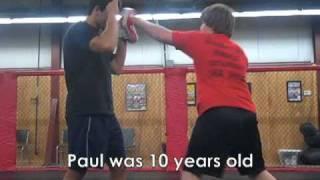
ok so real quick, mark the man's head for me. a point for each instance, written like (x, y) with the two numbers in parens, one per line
(218, 18)
(98, 11)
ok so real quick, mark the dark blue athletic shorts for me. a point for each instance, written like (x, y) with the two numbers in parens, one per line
(90, 136)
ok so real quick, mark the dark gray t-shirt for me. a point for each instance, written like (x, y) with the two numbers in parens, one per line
(87, 73)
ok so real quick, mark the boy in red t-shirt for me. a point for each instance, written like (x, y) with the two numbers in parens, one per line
(227, 123)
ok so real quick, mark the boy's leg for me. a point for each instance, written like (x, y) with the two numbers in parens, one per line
(250, 144)
(210, 140)
(116, 149)
(118, 173)
(185, 175)
(264, 175)
(77, 137)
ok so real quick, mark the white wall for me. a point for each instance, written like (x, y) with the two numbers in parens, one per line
(274, 40)
(178, 56)
(19, 46)
(145, 52)
(265, 40)
(268, 40)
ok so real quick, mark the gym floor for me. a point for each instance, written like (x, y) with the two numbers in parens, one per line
(52, 175)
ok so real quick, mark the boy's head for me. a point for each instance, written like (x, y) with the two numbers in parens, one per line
(218, 18)
(97, 9)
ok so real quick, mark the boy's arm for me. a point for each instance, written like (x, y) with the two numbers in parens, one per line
(157, 32)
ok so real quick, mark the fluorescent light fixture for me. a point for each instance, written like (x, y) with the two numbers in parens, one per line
(163, 16)
(265, 13)
(194, 15)
(169, 16)
(75, 19)
(46, 20)
(276, 13)
(5, 21)
(166, 16)
(311, 12)
(147, 17)
(176, 16)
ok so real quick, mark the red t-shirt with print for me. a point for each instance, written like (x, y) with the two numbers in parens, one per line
(221, 67)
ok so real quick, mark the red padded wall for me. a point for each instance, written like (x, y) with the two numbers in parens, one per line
(8, 109)
(177, 114)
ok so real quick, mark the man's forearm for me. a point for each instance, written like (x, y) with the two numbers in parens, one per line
(120, 57)
(107, 41)
(157, 32)
(111, 32)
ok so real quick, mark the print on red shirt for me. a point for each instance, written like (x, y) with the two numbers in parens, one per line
(221, 69)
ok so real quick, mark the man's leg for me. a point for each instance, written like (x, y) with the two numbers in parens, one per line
(116, 149)
(118, 174)
(77, 137)
(264, 175)
(185, 175)
(74, 175)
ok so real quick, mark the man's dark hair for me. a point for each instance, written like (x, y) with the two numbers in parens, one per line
(219, 18)
(100, 3)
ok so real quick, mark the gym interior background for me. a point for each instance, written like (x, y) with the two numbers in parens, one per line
(32, 88)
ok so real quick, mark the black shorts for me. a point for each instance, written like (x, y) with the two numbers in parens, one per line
(90, 136)
(222, 133)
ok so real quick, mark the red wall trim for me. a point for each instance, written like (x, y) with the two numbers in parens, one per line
(284, 68)
(154, 70)
(276, 68)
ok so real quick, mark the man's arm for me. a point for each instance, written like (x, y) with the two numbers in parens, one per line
(107, 41)
(157, 32)
(118, 62)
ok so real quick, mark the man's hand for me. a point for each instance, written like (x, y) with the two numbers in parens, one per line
(107, 41)
(128, 31)
(113, 8)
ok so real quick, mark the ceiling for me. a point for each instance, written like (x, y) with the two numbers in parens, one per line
(22, 8)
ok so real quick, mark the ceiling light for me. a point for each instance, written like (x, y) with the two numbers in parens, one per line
(276, 13)
(5, 21)
(46, 20)
(147, 17)
(311, 12)
(164, 16)
(75, 19)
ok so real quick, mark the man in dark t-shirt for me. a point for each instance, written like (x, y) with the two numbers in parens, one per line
(92, 52)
